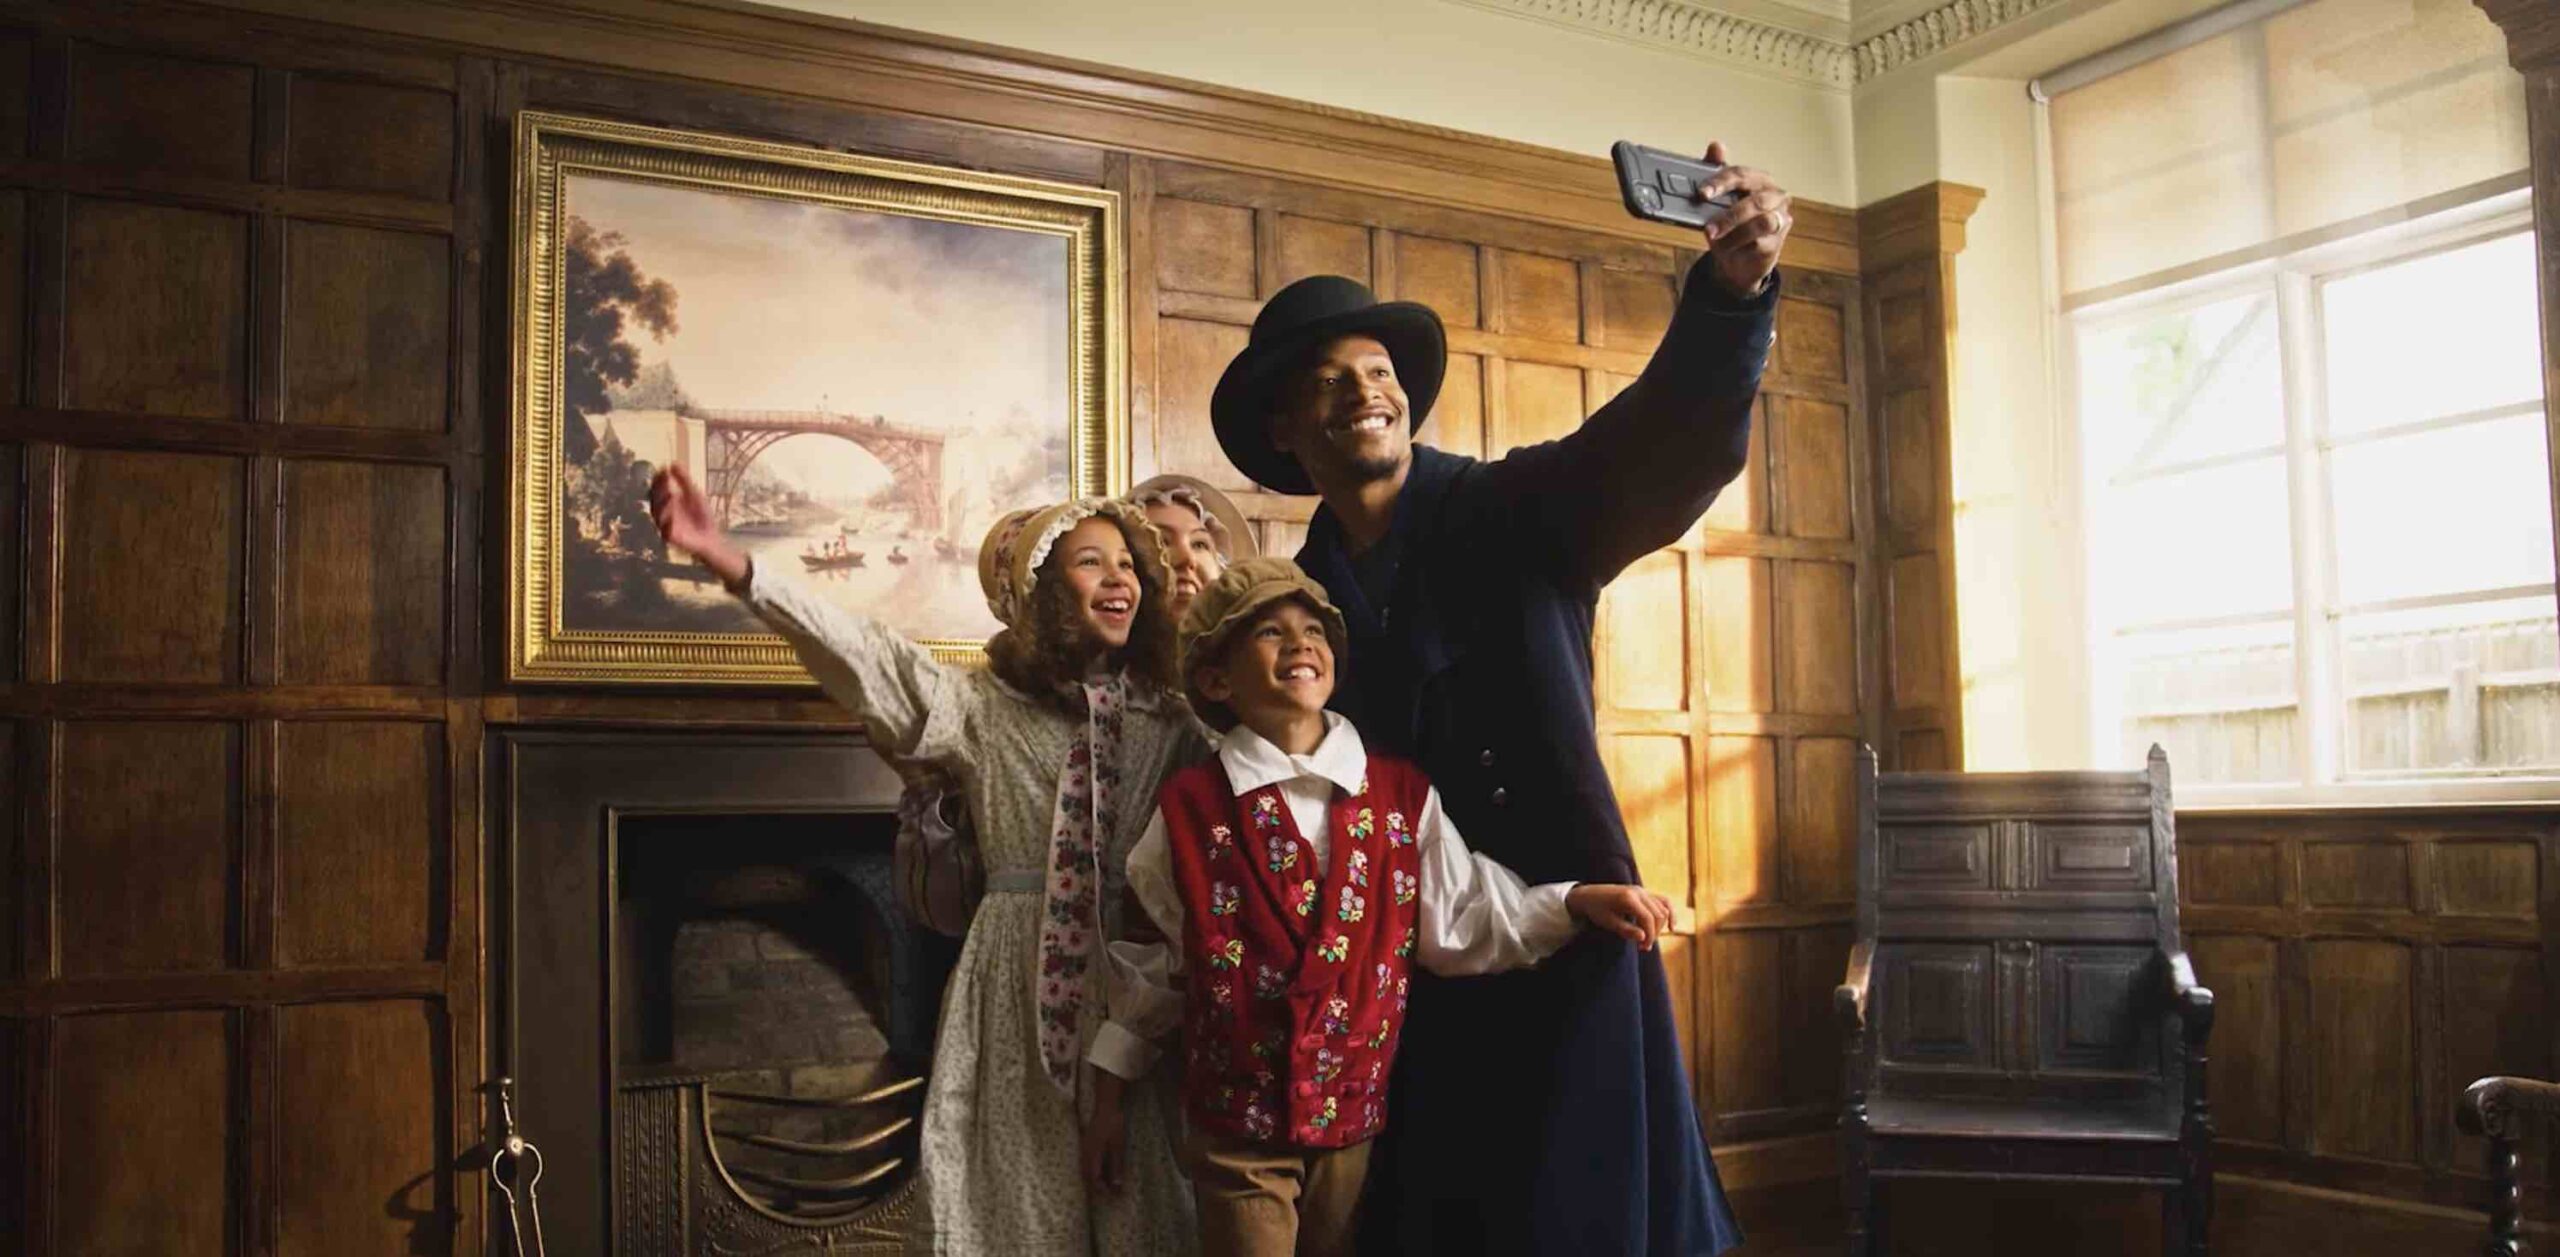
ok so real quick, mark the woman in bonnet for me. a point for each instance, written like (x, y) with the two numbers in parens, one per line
(1058, 746)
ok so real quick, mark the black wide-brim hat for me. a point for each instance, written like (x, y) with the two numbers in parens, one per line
(1296, 320)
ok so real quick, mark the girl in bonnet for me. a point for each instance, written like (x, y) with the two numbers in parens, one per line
(1058, 746)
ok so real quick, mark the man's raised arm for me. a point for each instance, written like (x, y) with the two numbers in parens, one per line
(1644, 467)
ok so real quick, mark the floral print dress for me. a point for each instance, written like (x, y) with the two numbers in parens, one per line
(1000, 1173)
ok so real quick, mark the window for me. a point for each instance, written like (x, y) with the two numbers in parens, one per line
(2344, 579)
(2305, 362)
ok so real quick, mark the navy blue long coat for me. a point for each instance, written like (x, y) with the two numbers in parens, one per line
(1545, 1111)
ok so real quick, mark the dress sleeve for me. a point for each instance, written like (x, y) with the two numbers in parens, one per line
(1478, 917)
(916, 705)
(1144, 1004)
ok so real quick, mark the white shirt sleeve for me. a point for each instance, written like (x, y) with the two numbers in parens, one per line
(1477, 916)
(1144, 1003)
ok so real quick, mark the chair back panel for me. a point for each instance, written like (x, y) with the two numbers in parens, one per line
(2019, 922)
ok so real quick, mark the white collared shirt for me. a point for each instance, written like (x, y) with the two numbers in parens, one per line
(1476, 916)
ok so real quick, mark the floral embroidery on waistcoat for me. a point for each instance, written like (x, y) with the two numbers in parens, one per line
(1279, 851)
(1325, 1117)
(1257, 1120)
(1358, 866)
(1386, 978)
(1386, 1027)
(1405, 885)
(1353, 906)
(1269, 982)
(1227, 955)
(1405, 948)
(1223, 898)
(1328, 1064)
(1398, 833)
(1222, 841)
(1337, 1016)
(1266, 811)
(1363, 825)
(1335, 950)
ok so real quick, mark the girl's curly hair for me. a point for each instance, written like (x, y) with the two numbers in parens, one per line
(1051, 645)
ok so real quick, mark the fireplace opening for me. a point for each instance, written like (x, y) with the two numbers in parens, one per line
(774, 1015)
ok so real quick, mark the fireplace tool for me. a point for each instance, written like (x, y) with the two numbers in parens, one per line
(517, 1166)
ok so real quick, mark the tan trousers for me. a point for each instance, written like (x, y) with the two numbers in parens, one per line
(1272, 1200)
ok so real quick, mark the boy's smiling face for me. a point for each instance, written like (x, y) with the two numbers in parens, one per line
(1275, 670)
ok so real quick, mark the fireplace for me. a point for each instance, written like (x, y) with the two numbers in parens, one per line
(718, 1019)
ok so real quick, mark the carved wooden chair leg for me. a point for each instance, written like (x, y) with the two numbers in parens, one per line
(1864, 1237)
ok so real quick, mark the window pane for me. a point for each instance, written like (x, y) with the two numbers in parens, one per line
(2222, 702)
(2467, 688)
(2443, 334)
(2181, 386)
(2197, 545)
(2449, 511)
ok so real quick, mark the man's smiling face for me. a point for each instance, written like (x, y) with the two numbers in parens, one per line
(1343, 415)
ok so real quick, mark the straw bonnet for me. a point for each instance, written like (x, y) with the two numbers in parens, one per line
(1235, 598)
(1232, 528)
(1010, 558)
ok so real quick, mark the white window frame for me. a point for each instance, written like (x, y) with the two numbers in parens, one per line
(2294, 277)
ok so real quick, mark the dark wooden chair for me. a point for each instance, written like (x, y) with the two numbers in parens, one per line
(2018, 1005)
(2501, 1110)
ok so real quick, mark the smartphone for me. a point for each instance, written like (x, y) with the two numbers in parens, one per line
(1664, 186)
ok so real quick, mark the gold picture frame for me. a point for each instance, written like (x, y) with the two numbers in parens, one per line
(954, 300)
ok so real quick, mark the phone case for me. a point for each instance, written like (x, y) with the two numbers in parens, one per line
(1663, 186)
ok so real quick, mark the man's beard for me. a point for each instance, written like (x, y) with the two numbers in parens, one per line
(1376, 467)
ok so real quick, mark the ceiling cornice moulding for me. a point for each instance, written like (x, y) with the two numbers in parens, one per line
(1691, 29)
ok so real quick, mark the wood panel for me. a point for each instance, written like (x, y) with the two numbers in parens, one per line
(364, 548)
(1644, 621)
(148, 851)
(1189, 356)
(157, 301)
(16, 55)
(1540, 402)
(368, 314)
(361, 1173)
(151, 567)
(1312, 246)
(1442, 274)
(1916, 595)
(143, 1127)
(1822, 822)
(357, 136)
(140, 110)
(1750, 997)
(2364, 1073)
(1541, 297)
(1651, 776)
(1741, 664)
(2247, 1060)
(13, 289)
(1813, 453)
(1742, 820)
(1201, 247)
(358, 855)
(1818, 649)
(1743, 506)
(1456, 423)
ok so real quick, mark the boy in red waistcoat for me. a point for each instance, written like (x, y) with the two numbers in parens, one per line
(1297, 877)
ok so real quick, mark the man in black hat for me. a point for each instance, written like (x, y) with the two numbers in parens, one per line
(1545, 1111)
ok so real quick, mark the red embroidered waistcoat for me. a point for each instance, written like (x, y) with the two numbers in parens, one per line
(1297, 974)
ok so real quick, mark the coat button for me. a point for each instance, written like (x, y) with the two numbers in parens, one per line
(1310, 1042)
(1306, 1088)
(1485, 757)
(1501, 797)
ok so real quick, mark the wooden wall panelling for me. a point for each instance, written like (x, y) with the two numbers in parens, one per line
(241, 429)
(2367, 966)
(1907, 248)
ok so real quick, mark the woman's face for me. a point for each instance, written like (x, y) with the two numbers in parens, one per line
(1102, 579)
(1192, 550)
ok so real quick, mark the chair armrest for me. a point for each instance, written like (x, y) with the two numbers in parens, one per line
(2194, 1004)
(1849, 999)
(2492, 1105)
